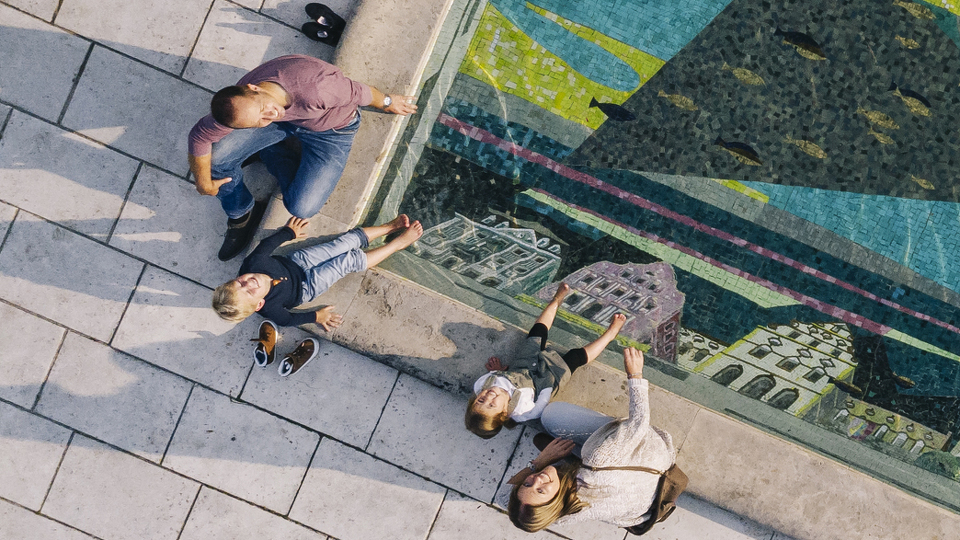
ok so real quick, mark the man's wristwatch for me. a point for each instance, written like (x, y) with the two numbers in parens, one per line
(532, 465)
(387, 100)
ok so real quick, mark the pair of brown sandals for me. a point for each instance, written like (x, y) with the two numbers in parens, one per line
(325, 26)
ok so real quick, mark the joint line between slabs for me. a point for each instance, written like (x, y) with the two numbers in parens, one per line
(76, 83)
(304, 479)
(46, 376)
(366, 447)
(193, 46)
(57, 472)
(6, 120)
(116, 222)
(176, 426)
(56, 11)
(192, 505)
(126, 306)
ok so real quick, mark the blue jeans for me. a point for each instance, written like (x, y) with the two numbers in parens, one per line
(325, 264)
(306, 183)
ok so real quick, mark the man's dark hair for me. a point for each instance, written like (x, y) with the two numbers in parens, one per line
(222, 106)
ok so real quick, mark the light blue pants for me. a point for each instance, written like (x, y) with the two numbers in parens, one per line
(569, 421)
(324, 264)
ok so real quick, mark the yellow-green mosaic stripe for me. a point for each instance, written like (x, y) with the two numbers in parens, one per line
(521, 67)
(740, 188)
(922, 345)
(758, 294)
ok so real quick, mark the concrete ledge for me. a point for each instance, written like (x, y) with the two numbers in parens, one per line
(386, 45)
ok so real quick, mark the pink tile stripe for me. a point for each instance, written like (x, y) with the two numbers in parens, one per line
(486, 137)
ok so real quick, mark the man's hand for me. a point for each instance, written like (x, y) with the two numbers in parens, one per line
(297, 225)
(633, 363)
(402, 105)
(555, 451)
(328, 319)
(495, 364)
(211, 187)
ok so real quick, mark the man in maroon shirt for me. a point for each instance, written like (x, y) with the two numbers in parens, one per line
(291, 96)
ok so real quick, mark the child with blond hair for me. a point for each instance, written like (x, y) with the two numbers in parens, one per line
(518, 392)
(272, 285)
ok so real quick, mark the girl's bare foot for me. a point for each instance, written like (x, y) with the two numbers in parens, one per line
(616, 323)
(399, 223)
(562, 291)
(409, 236)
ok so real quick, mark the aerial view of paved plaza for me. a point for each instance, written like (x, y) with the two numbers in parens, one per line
(767, 190)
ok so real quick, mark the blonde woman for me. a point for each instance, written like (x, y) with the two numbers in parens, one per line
(571, 491)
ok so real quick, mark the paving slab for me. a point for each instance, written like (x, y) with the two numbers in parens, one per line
(720, 457)
(383, 501)
(113, 397)
(216, 516)
(90, 180)
(340, 393)
(429, 336)
(234, 40)
(148, 113)
(159, 33)
(30, 451)
(166, 222)
(20, 523)
(591, 530)
(422, 430)
(241, 450)
(65, 277)
(25, 367)
(111, 494)
(39, 8)
(461, 517)
(695, 518)
(170, 324)
(42, 59)
(293, 14)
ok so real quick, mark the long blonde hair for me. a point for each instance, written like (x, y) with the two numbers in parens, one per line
(534, 518)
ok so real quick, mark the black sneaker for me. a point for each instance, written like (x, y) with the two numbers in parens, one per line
(301, 356)
(238, 235)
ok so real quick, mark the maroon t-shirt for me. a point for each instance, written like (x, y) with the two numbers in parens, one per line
(321, 98)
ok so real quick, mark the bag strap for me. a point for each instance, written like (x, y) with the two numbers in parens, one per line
(627, 468)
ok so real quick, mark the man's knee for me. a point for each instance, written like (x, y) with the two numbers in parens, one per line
(301, 208)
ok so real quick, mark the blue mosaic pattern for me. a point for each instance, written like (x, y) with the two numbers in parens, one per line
(925, 238)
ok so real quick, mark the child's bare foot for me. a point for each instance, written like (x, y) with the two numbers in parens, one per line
(562, 292)
(616, 324)
(399, 223)
(409, 236)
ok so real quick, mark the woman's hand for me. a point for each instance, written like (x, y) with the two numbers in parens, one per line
(633, 363)
(495, 364)
(555, 451)
(297, 225)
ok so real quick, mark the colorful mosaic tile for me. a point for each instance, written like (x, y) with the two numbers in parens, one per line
(784, 173)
